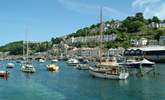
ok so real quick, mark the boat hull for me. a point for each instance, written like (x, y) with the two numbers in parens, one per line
(156, 58)
(4, 74)
(28, 69)
(72, 64)
(82, 67)
(52, 67)
(10, 65)
(138, 65)
(120, 76)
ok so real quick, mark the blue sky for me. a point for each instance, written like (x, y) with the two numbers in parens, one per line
(44, 19)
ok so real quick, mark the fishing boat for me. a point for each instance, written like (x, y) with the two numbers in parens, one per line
(10, 65)
(109, 69)
(52, 67)
(109, 73)
(4, 74)
(72, 61)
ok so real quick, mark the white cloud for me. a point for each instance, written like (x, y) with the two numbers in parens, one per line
(140, 3)
(161, 11)
(150, 8)
(87, 8)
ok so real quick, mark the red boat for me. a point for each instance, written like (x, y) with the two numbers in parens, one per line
(4, 74)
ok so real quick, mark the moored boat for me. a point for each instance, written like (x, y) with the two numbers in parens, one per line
(10, 65)
(136, 64)
(4, 74)
(27, 65)
(72, 62)
(111, 73)
(83, 65)
(28, 68)
(41, 60)
(109, 70)
(52, 67)
(54, 60)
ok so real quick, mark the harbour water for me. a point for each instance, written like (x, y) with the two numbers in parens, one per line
(72, 84)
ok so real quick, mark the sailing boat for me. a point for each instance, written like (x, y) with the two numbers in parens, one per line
(27, 66)
(109, 69)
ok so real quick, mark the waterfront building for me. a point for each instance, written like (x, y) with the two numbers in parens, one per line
(94, 52)
(143, 42)
(138, 43)
(154, 53)
(162, 25)
(72, 52)
(115, 51)
(87, 39)
(154, 25)
(89, 52)
(113, 24)
(157, 25)
(162, 40)
(153, 42)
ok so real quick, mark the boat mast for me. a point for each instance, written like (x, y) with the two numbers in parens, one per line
(101, 34)
(27, 47)
(23, 50)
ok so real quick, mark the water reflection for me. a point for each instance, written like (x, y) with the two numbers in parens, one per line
(123, 82)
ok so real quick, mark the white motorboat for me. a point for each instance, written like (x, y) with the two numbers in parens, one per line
(54, 60)
(73, 61)
(41, 60)
(10, 65)
(83, 65)
(136, 64)
(146, 62)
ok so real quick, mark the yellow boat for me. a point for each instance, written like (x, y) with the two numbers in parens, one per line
(52, 67)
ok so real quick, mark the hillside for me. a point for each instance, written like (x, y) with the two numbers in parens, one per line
(16, 48)
(132, 28)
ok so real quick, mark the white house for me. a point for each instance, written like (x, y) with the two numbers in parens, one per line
(143, 41)
(152, 42)
(162, 40)
(89, 52)
(162, 24)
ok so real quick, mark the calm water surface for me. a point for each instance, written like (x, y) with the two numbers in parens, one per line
(72, 84)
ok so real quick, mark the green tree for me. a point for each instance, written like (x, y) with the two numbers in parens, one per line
(135, 26)
(149, 21)
(139, 16)
(56, 40)
(155, 19)
(159, 33)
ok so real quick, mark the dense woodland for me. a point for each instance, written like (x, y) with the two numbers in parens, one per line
(132, 27)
